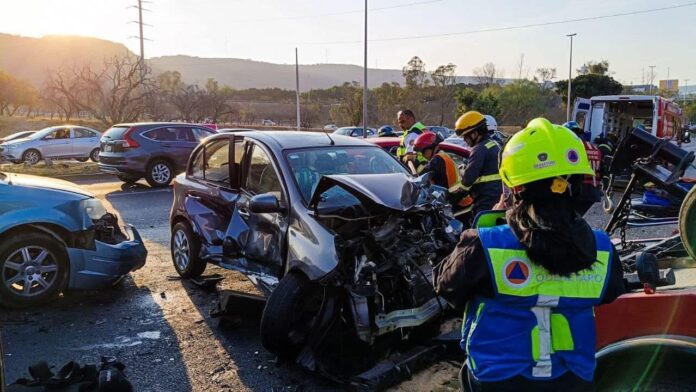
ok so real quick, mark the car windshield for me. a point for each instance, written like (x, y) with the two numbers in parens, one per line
(309, 165)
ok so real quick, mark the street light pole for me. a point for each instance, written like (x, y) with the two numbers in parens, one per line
(297, 88)
(570, 74)
(365, 80)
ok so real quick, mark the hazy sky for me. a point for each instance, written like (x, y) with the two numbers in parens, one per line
(268, 30)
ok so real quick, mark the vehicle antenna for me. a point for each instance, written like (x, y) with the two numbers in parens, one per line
(327, 135)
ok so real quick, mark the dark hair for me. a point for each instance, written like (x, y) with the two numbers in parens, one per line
(551, 232)
(407, 112)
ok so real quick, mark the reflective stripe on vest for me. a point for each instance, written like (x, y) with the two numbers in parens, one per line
(594, 156)
(537, 324)
(459, 187)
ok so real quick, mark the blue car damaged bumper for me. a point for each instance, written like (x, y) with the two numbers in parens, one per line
(107, 264)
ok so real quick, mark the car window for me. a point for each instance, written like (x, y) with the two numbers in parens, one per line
(200, 133)
(197, 166)
(170, 134)
(262, 177)
(60, 133)
(83, 133)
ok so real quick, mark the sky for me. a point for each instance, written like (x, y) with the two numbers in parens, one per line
(331, 31)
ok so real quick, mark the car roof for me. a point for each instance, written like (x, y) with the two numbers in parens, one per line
(138, 124)
(291, 139)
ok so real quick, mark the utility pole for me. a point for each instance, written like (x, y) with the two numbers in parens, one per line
(570, 75)
(365, 80)
(141, 35)
(297, 88)
(652, 77)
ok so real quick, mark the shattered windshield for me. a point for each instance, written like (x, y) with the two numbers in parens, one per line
(308, 166)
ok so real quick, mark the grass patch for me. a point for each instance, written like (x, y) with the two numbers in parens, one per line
(57, 170)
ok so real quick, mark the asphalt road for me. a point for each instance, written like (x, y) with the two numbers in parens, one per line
(159, 326)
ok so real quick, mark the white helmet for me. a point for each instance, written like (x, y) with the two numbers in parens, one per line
(491, 123)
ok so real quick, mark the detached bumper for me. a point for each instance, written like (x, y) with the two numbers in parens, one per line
(105, 266)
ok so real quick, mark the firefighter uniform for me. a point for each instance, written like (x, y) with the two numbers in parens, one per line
(481, 179)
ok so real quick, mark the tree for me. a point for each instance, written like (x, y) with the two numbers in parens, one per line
(465, 98)
(594, 68)
(487, 74)
(545, 76)
(487, 102)
(214, 101)
(690, 112)
(414, 73)
(520, 101)
(590, 85)
(309, 114)
(117, 92)
(187, 101)
(445, 83)
(389, 99)
(16, 94)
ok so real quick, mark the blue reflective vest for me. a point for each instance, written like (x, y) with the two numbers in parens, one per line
(537, 324)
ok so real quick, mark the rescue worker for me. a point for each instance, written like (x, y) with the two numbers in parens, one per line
(492, 125)
(480, 179)
(444, 172)
(591, 191)
(530, 277)
(386, 131)
(412, 128)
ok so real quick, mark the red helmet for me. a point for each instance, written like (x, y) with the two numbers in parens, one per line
(427, 140)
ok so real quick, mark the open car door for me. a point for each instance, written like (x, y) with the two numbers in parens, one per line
(581, 111)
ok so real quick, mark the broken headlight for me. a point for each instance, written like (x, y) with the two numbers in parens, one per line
(93, 208)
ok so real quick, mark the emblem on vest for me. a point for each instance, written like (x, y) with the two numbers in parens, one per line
(517, 272)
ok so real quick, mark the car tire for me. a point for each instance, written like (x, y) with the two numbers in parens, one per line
(31, 156)
(289, 313)
(94, 155)
(24, 260)
(185, 249)
(82, 159)
(159, 173)
(128, 179)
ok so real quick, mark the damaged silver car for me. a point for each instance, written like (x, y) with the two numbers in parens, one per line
(333, 230)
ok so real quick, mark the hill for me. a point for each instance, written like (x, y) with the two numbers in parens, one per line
(29, 58)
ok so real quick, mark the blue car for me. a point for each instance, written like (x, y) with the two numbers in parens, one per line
(56, 236)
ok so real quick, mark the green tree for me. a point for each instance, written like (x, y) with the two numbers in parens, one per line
(388, 97)
(589, 85)
(445, 85)
(690, 112)
(520, 101)
(487, 102)
(465, 97)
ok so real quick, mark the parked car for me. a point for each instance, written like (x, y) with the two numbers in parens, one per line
(355, 132)
(16, 135)
(299, 213)
(268, 123)
(459, 153)
(330, 127)
(61, 142)
(444, 132)
(57, 236)
(156, 151)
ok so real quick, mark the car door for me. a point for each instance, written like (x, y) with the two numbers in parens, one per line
(258, 238)
(57, 143)
(184, 145)
(175, 142)
(213, 187)
(84, 141)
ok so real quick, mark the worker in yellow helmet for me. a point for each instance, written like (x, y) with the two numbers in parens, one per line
(480, 178)
(529, 278)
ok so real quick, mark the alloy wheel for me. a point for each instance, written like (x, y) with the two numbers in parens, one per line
(30, 271)
(181, 250)
(32, 157)
(161, 173)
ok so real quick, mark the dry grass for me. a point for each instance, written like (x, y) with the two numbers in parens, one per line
(57, 170)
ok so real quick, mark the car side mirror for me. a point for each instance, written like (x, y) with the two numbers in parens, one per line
(264, 203)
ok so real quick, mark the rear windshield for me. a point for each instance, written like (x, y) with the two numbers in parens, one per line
(115, 133)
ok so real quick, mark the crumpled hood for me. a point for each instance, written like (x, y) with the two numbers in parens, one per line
(394, 191)
(45, 183)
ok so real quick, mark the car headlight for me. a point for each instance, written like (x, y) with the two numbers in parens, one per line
(93, 208)
(10, 146)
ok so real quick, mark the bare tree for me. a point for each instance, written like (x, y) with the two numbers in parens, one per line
(187, 101)
(545, 76)
(487, 74)
(445, 81)
(520, 68)
(118, 92)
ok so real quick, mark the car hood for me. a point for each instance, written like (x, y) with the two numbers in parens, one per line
(395, 191)
(17, 141)
(45, 183)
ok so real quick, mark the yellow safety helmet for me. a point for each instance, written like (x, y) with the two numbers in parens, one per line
(543, 150)
(468, 122)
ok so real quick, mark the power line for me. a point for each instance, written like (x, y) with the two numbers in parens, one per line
(507, 28)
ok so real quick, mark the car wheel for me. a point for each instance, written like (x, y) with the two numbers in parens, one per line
(33, 270)
(159, 173)
(128, 179)
(94, 155)
(31, 156)
(82, 159)
(290, 314)
(185, 247)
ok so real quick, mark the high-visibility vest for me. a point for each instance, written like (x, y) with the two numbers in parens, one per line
(450, 169)
(537, 324)
(417, 128)
(594, 155)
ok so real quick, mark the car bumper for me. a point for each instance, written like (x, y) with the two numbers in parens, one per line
(107, 264)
